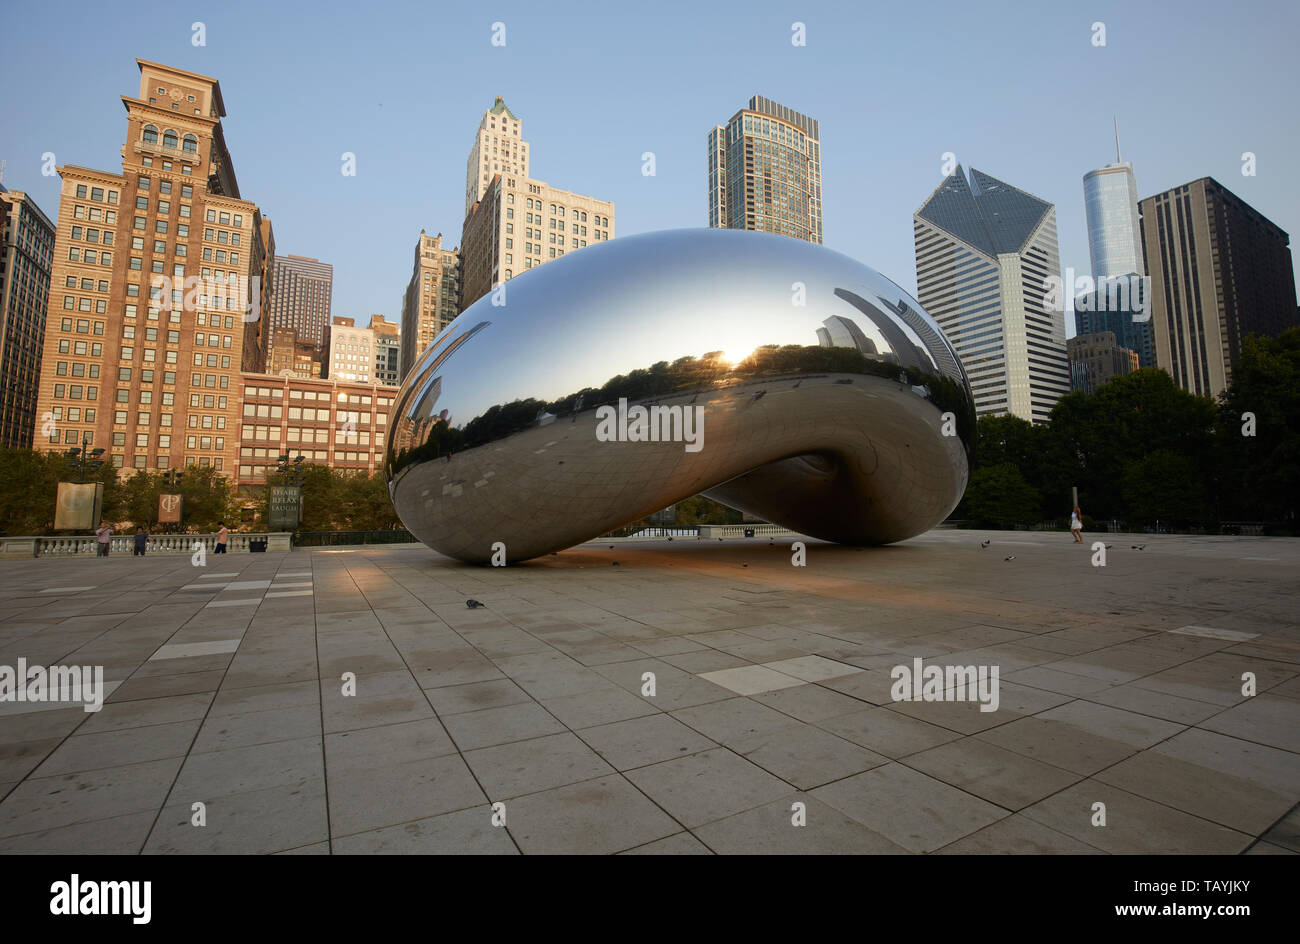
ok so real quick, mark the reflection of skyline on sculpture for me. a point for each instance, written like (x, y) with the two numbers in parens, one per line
(753, 285)
(823, 414)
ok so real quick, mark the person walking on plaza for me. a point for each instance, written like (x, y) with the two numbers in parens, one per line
(141, 542)
(1076, 525)
(222, 534)
(103, 534)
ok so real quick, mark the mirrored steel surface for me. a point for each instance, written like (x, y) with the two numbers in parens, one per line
(830, 401)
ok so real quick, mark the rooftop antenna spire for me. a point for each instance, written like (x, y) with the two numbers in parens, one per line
(1118, 158)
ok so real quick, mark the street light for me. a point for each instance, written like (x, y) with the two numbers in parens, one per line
(80, 454)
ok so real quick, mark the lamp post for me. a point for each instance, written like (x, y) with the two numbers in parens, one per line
(80, 455)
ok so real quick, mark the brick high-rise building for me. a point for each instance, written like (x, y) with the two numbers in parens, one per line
(26, 255)
(1219, 271)
(301, 297)
(431, 300)
(765, 172)
(289, 357)
(150, 289)
(337, 423)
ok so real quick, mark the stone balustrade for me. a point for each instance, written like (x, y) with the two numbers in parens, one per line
(83, 545)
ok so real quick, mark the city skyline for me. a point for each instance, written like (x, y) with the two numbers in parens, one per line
(290, 157)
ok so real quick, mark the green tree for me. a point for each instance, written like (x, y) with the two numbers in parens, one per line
(31, 485)
(998, 496)
(1094, 439)
(1258, 433)
(1165, 487)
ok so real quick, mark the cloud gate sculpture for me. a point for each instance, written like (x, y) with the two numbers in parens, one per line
(773, 375)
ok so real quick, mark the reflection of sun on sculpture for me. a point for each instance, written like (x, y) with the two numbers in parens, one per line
(832, 426)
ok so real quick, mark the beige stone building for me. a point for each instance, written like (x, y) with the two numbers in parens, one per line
(154, 285)
(431, 300)
(521, 223)
(351, 351)
(513, 222)
(499, 148)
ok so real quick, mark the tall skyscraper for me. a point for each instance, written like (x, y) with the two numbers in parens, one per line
(984, 253)
(1110, 202)
(499, 148)
(387, 340)
(150, 302)
(765, 172)
(301, 297)
(551, 222)
(431, 300)
(26, 256)
(1219, 271)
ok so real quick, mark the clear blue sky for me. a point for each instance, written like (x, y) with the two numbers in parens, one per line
(1017, 90)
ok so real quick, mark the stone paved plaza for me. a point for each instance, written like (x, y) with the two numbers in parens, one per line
(1119, 685)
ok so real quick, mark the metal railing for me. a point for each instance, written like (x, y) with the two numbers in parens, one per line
(647, 531)
(338, 538)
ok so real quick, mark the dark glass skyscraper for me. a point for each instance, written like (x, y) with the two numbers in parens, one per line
(1219, 271)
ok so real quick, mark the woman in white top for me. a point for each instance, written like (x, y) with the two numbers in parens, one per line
(1076, 525)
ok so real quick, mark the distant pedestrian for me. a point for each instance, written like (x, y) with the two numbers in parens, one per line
(222, 534)
(103, 534)
(1076, 525)
(141, 542)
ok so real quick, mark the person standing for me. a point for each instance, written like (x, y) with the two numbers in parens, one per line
(103, 534)
(141, 542)
(223, 533)
(1076, 525)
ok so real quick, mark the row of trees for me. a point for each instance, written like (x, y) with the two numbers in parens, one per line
(1144, 451)
(333, 499)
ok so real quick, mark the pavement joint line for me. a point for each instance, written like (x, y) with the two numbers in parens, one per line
(1210, 632)
(543, 602)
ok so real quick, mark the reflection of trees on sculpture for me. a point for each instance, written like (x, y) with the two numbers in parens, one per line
(791, 362)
